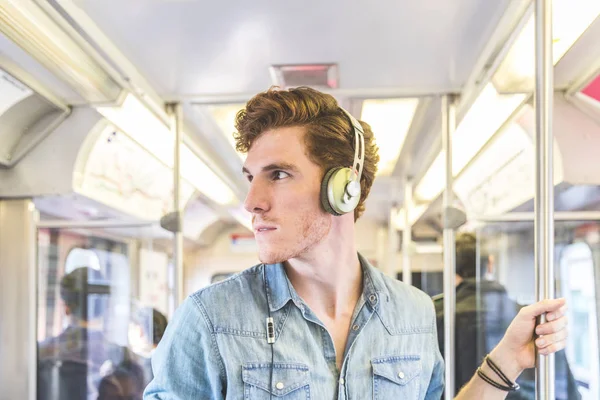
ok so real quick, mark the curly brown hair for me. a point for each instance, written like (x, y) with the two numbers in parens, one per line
(330, 136)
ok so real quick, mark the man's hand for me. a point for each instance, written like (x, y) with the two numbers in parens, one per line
(516, 350)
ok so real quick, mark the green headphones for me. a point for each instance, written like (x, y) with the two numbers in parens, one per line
(340, 188)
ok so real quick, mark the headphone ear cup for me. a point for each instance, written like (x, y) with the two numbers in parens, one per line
(325, 192)
(334, 196)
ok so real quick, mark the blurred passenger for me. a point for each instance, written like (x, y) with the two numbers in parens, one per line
(484, 312)
(69, 365)
(124, 382)
(145, 332)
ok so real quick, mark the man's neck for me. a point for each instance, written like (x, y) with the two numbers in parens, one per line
(329, 277)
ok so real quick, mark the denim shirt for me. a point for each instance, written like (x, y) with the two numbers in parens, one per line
(216, 345)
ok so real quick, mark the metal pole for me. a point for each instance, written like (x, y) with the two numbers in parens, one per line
(176, 128)
(390, 267)
(407, 234)
(544, 185)
(530, 216)
(448, 126)
(62, 224)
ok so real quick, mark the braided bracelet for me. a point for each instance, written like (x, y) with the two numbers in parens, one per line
(496, 384)
(498, 372)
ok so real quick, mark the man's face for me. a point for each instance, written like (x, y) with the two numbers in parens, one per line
(284, 196)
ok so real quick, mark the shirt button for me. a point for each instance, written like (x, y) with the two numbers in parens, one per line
(355, 327)
(341, 381)
(401, 375)
(279, 385)
(373, 298)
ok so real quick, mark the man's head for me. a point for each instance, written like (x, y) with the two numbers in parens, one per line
(293, 137)
(466, 257)
(79, 288)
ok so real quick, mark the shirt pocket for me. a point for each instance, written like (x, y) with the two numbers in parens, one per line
(291, 381)
(396, 377)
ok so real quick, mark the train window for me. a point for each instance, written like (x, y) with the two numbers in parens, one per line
(81, 257)
(83, 316)
(431, 282)
(577, 273)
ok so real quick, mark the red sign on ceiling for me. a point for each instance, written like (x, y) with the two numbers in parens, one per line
(593, 89)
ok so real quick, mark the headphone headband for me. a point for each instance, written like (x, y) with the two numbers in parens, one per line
(359, 146)
(340, 187)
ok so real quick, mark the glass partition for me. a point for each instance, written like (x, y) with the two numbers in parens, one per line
(496, 278)
(104, 299)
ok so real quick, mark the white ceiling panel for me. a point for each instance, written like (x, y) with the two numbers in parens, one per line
(200, 48)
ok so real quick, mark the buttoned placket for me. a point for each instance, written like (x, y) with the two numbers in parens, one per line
(361, 319)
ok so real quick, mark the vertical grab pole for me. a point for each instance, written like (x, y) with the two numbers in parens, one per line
(407, 233)
(177, 128)
(392, 248)
(448, 126)
(544, 185)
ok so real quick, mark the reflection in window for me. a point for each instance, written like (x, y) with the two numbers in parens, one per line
(82, 258)
(83, 303)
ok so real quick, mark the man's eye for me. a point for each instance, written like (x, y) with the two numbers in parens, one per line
(278, 175)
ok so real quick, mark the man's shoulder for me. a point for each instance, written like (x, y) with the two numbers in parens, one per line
(408, 309)
(235, 305)
(242, 284)
(406, 293)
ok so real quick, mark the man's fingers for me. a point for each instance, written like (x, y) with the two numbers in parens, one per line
(552, 327)
(553, 348)
(551, 316)
(548, 340)
(552, 306)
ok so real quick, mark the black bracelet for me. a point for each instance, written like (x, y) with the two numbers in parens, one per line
(496, 384)
(496, 369)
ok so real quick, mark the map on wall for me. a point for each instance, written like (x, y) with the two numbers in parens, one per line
(123, 175)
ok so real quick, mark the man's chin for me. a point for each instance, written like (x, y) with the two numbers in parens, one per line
(270, 257)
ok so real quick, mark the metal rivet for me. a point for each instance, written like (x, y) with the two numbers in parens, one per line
(373, 298)
(401, 375)
(279, 385)
(355, 327)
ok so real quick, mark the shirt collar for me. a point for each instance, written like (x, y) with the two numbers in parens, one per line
(280, 290)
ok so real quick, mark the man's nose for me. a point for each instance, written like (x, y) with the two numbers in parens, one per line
(257, 199)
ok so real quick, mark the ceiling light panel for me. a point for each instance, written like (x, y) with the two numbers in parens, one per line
(26, 24)
(569, 20)
(390, 120)
(224, 116)
(481, 122)
(151, 133)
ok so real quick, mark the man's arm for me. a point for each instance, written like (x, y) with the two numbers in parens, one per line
(516, 350)
(436, 385)
(186, 363)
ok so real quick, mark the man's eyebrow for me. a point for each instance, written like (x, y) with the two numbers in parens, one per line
(275, 166)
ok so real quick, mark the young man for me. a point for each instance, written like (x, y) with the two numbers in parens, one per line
(315, 320)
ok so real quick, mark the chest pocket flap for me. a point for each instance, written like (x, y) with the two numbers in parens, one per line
(287, 377)
(398, 369)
